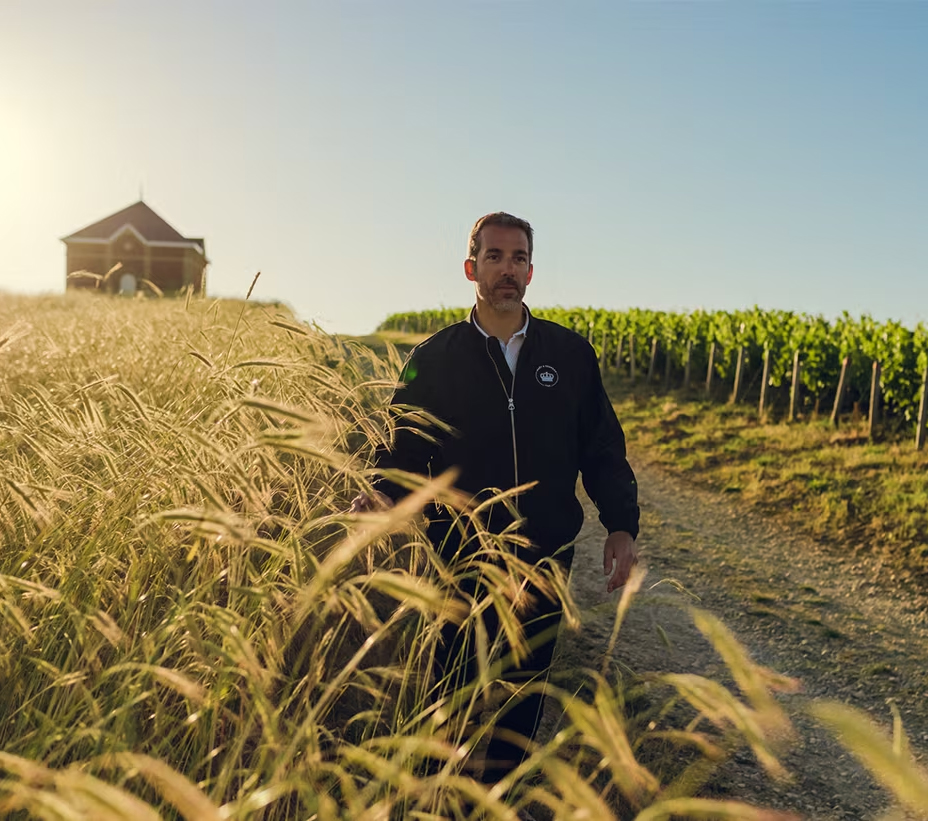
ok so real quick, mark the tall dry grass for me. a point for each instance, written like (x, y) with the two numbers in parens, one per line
(192, 626)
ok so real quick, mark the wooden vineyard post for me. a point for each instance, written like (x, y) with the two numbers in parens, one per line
(794, 388)
(739, 372)
(667, 363)
(589, 336)
(687, 370)
(874, 416)
(764, 382)
(842, 389)
(922, 413)
(618, 352)
(710, 369)
(653, 362)
(631, 358)
(602, 354)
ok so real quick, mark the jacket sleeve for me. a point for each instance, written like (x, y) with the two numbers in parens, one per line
(607, 476)
(413, 446)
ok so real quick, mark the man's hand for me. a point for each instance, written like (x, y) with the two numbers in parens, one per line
(620, 555)
(365, 503)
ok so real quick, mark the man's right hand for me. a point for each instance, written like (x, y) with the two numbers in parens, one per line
(367, 502)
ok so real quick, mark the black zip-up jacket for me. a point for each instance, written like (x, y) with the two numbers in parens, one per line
(550, 421)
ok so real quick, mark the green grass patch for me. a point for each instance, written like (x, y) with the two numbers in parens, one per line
(833, 485)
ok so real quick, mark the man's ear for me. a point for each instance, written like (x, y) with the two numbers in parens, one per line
(531, 269)
(470, 270)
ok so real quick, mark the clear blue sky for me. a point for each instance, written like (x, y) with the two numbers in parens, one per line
(670, 155)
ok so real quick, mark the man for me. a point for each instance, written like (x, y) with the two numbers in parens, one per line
(526, 402)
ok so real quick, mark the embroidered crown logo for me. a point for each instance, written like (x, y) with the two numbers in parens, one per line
(546, 375)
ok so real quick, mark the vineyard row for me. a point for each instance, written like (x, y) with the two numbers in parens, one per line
(769, 355)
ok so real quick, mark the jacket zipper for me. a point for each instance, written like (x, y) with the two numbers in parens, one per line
(510, 393)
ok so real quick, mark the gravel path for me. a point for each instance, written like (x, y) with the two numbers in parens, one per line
(838, 622)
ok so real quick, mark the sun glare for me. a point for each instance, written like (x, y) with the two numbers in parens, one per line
(24, 184)
(17, 151)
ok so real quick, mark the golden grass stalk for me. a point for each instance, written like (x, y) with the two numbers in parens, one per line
(888, 759)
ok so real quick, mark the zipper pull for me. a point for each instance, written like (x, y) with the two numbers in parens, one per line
(512, 405)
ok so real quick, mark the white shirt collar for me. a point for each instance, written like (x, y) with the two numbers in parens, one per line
(521, 332)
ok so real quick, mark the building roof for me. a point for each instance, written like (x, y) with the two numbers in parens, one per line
(147, 224)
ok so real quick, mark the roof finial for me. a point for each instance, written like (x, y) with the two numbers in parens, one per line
(141, 192)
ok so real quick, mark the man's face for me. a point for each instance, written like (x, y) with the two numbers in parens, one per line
(502, 269)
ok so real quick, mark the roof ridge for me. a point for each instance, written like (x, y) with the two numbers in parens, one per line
(150, 225)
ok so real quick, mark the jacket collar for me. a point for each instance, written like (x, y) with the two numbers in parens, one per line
(525, 329)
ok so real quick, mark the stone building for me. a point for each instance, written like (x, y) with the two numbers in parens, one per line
(144, 246)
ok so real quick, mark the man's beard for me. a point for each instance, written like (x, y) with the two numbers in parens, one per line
(508, 302)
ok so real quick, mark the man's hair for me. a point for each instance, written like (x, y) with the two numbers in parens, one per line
(503, 219)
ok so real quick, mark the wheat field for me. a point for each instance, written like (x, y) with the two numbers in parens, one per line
(193, 626)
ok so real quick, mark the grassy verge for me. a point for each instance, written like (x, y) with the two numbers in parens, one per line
(834, 484)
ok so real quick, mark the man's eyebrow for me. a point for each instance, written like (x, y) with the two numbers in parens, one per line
(500, 250)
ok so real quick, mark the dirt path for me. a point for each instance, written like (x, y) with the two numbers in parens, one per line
(838, 623)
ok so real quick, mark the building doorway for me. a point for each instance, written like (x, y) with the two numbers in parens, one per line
(127, 285)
